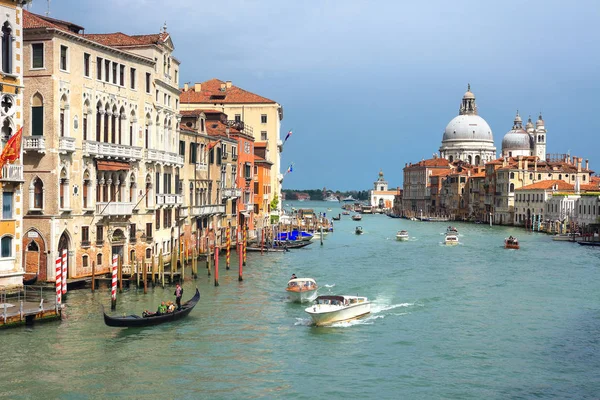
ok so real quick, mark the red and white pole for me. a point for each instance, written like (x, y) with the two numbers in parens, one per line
(113, 291)
(64, 272)
(216, 265)
(240, 256)
(58, 280)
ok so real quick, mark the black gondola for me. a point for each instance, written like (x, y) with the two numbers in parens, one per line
(135, 321)
(266, 249)
(30, 281)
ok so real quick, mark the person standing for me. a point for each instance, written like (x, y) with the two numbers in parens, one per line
(178, 293)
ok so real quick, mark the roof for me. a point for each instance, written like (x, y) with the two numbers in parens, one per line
(431, 162)
(218, 128)
(197, 112)
(182, 127)
(260, 144)
(33, 21)
(211, 93)
(120, 39)
(549, 184)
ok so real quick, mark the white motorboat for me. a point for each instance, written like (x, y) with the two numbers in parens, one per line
(451, 239)
(356, 217)
(302, 289)
(330, 309)
(402, 235)
(567, 237)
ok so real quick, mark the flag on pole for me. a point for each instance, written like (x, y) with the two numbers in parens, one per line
(12, 150)
(289, 169)
(211, 145)
(287, 136)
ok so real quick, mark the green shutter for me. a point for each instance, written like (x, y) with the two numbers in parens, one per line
(37, 121)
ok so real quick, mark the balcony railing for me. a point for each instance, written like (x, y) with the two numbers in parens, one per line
(114, 209)
(169, 199)
(199, 211)
(111, 150)
(184, 212)
(66, 144)
(164, 157)
(225, 155)
(12, 173)
(34, 143)
(201, 166)
(231, 193)
(234, 156)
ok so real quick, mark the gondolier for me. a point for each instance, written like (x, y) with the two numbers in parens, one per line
(178, 293)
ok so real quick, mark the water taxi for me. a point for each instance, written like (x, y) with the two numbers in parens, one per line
(511, 243)
(302, 289)
(330, 309)
(451, 239)
(356, 217)
(402, 235)
(452, 230)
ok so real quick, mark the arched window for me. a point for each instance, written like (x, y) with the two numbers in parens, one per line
(38, 194)
(37, 115)
(32, 246)
(539, 177)
(148, 253)
(85, 261)
(98, 259)
(106, 123)
(6, 131)
(512, 188)
(64, 190)
(512, 175)
(115, 115)
(451, 158)
(86, 189)
(98, 122)
(559, 177)
(132, 197)
(470, 159)
(477, 160)
(6, 244)
(7, 48)
(84, 123)
(531, 176)
(63, 102)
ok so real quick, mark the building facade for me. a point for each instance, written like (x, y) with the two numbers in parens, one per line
(381, 196)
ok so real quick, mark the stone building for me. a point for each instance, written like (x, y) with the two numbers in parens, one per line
(381, 196)
(528, 141)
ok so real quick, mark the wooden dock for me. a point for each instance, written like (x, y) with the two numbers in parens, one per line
(26, 306)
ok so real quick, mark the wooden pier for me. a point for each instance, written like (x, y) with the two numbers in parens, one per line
(24, 307)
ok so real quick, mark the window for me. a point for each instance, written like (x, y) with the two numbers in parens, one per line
(122, 75)
(63, 57)
(182, 148)
(157, 96)
(7, 205)
(238, 118)
(99, 68)
(106, 70)
(192, 153)
(37, 115)
(132, 233)
(99, 259)
(114, 73)
(86, 64)
(38, 194)
(7, 48)
(85, 235)
(85, 261)
(147, 82)
(99, 234)
(132, 77)
(247, 171)
(157, 219)
(263, 135)
(37, 55)
(148, 230)
(263, 119)
(6, 244)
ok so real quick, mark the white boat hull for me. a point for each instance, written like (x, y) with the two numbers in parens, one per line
(402, 238)
(324, 314)
(302, 296)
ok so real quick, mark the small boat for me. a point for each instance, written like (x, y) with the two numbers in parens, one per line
(302, 289)
(330, 309)
(567, 237)
(336, 218)
(452, 230)
(286, 244)
(402, 235)
(265, 249)
(345, 212)
(356, 217)
(135, 321)
(511, 243)
(30, 281)
(451, 239)
(413, 219)
(358, 230)
(589, 243)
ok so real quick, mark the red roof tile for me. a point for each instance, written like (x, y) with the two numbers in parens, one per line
(217, 128)
(211, 93)
(549, 184)
(120, 39)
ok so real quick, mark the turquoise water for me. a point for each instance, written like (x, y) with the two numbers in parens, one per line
(466, 322)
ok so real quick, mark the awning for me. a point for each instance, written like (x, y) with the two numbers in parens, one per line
(113, 166)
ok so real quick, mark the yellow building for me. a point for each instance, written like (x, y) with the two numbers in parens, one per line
(11, 120)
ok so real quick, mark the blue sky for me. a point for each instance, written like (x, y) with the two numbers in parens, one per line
(369, 85)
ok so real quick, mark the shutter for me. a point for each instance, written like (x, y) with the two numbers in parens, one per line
(37, 121)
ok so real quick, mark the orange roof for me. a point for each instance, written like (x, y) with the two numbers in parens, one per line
(549, 184)
(211, 93)
(260, 144)
(478, 175)
(440, 172)
(431, 162)
(196, 112)
(182, 127)
(217, 128)
(120, 39)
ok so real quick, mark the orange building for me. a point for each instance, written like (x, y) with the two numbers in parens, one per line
(262, 188)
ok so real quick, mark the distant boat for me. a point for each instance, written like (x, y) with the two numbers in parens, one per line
(563, 237)
(402, 235)
(332, 197)
(451, 239)
(349, 199)
(511, 243)
(356, 217)
(358, 230)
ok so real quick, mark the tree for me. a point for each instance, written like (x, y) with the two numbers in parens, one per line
(274, 202)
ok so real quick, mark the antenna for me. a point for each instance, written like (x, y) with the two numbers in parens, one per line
(48, 10)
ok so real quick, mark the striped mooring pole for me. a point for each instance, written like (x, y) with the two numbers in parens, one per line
(58, 280)
(244, 243)
(113, 290)
(64, 273)
(228, 244)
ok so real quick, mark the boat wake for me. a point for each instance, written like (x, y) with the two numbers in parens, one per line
(329, 286)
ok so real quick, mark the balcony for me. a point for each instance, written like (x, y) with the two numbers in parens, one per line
(114, 209)
(202, 166)
(12, 173)
(111, 150)
(184, 212)
(200, 211)
(231, 193)
(164, 157)
(66, 145)
(169, 199)
(225, 156)
(34, 143)
(234, 156)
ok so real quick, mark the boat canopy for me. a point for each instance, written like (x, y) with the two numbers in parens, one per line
(300, 280)
(330, 297)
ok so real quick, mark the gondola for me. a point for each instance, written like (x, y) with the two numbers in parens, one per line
(30, 281)
(266, 249)
(135, 321)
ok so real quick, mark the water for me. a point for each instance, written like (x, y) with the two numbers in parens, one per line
(471, 321)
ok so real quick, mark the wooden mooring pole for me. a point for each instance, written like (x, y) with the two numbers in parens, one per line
(93, 276)
(216, 265)
(145, 276)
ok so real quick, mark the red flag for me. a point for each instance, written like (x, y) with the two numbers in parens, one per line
(12, 150)
(211, 145)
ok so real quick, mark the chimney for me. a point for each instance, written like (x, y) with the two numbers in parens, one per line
(223, 85)
(227, 131)
(587, 164)
(579, 164)
(228, 84)
(197, 87)
(185, 87)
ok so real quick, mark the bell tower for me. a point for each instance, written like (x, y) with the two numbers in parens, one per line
(539, 135)
(380, 184)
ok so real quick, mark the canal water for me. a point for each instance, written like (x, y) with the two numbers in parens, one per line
(472, 321)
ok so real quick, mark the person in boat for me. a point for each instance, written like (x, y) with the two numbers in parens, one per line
(293, 277)
(170, 307)
(178, 293)
(162, 309)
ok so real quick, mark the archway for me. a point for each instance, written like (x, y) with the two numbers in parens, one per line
(34, 255)
(64, 243)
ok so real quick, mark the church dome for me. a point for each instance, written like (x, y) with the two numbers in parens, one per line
(517, 138)
(468, 127)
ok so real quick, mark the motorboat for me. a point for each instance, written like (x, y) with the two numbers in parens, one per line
(358, 230)
(451, 239)
(511, 243)
(356, 217)
(402, 235)
(452, 230)
(345, 212)
(567, 237)
(349, 199)
(329, 309)
(295, 235)
(332, 197)
(302, 289)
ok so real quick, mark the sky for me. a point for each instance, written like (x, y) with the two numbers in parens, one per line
(371, 85)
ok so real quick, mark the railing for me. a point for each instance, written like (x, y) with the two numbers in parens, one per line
(66, 144)
(201, 166)
(231, 192)
(224, 155)
(111, 150)
(184, 212)
(234, 156)
(207, 210)
(12, 172)
(164, 157)
(34, 143)
(239, 125)
(168, 199)
(114, 208)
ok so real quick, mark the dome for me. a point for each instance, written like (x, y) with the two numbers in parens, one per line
(516, 139)
(468, 95)
(468, 127)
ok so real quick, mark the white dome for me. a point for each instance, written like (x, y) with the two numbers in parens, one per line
(516, 140)
(468, 127)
